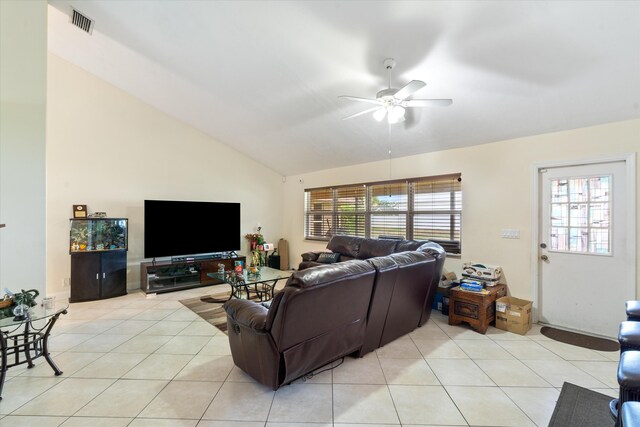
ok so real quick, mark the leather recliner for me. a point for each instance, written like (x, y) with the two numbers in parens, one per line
(318, 317)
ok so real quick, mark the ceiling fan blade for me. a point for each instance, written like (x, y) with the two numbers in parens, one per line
(361, 113)
(409, 89)
(355, 98)
(428, 103)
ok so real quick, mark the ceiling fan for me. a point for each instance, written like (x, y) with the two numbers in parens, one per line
(392, 102)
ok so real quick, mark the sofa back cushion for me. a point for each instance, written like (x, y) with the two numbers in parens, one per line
(386, 273)
(319, 299)
(438, 252)
(409, 245)
(345, 245)
(370, 248)
(413, 280)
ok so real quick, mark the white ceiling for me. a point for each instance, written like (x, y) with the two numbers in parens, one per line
(264, 76)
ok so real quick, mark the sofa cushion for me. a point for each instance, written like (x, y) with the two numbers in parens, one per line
(308, 264)
(413, 282)
(328, 257)
(329, 273)
(370, 248)
(345, 245)
(409, 245)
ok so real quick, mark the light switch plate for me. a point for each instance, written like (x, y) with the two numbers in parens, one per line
(508, 233)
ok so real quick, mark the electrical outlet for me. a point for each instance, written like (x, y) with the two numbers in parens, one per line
(66, 282)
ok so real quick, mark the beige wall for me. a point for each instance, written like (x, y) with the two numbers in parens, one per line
(23, 59)
(110, 151)
(496, 182)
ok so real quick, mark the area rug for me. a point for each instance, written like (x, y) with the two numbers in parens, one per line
(580, 407)
(209, 309)
(581, 340)
(212, 312)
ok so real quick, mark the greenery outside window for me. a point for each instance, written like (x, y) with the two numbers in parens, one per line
(427, 208)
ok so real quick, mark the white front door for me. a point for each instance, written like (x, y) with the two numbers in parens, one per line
(582, 247)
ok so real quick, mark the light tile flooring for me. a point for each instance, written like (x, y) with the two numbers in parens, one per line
(149, 361)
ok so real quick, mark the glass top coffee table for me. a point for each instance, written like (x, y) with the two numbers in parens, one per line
(24, 340)
(261, 283)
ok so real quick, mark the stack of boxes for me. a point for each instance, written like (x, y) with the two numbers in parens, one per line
(477, 276)
(511, 314)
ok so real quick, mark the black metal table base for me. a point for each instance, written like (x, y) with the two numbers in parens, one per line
(263, 290)
(26, 346)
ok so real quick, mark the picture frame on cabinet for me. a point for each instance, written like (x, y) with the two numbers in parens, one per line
(79, 211)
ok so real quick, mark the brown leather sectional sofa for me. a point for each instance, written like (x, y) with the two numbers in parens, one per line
(381, 291)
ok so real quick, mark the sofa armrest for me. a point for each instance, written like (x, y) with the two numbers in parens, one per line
(247, 313)
(311, 256)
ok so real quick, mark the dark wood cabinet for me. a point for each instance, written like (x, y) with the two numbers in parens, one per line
(478, 309)
(98, 275)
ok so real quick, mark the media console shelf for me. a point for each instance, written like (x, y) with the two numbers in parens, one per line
(167, 276)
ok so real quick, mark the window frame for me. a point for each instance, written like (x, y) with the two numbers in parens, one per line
(452, 245)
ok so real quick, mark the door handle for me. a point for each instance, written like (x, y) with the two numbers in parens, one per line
(97, 276)
(103, 275)
(544, 258)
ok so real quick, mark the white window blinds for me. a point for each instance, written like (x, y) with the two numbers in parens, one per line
(427, 208)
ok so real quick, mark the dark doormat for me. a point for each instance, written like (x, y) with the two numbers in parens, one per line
(581, 407)
(581, 340)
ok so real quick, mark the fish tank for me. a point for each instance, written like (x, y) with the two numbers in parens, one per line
(98, 235)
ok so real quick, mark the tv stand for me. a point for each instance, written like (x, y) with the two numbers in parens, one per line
(166, 276)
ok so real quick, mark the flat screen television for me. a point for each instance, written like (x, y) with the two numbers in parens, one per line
(178, 228)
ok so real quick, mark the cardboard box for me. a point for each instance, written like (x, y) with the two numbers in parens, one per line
(513, 314)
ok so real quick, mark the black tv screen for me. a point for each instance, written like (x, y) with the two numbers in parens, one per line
(177, 228)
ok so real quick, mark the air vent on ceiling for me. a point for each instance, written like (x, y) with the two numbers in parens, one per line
(82, 22)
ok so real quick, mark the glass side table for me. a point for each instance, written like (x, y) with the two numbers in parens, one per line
(262, 283)
(25, 340)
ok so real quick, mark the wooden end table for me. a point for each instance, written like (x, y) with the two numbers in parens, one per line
(478, 309)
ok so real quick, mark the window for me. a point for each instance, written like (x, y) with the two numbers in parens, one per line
(580, 212)
(419, 208)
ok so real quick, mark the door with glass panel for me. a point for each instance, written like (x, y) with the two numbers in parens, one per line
(583, 247)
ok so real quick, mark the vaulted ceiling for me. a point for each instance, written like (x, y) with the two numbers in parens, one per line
(264, 76)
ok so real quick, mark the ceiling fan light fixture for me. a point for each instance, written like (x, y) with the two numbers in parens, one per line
(379, 114)
(396, 114)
